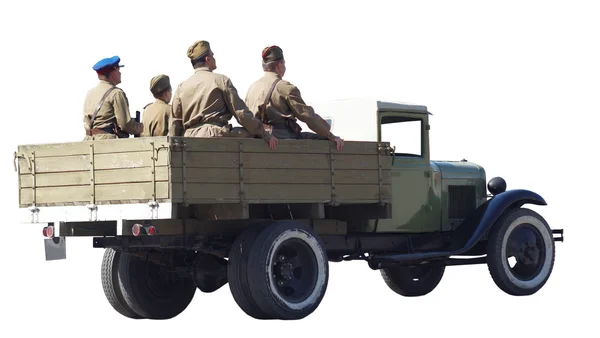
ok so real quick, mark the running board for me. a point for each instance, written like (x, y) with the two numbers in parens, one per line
(379, 259)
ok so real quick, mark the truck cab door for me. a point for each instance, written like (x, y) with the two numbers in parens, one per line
(415, 207)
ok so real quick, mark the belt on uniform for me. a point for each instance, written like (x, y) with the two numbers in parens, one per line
(96, 131)
(279, 125)
(212, 123)
(288, 124)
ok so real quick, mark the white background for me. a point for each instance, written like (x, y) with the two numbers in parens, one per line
(513, 86)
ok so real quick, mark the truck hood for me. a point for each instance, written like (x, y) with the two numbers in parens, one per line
(459, 169)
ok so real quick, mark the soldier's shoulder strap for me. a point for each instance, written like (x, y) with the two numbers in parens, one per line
(147, 105)
(262, 108)
(100, 105)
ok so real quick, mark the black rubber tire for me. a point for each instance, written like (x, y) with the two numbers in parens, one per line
(402, 281)
(140, 297)
(261, 269)
(497, 259)
(110, 284)
(237, 273)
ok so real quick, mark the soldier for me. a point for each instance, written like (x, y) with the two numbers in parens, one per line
(285, 104)
(106, 109)
(156, 114)
(205, 102)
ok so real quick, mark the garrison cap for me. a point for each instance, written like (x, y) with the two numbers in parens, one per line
(159, 83)
(272, 53)
(107, 62)
(198, 49)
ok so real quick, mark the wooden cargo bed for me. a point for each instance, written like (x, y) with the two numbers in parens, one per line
(202, 171)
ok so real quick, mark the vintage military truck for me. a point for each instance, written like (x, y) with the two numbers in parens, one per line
(178, 214)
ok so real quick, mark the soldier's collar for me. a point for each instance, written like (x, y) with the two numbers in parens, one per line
(272, 74)
(203, 69)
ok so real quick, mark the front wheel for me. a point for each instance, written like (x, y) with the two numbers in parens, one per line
(522, 235)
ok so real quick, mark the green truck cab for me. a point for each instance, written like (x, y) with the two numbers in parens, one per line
(211, 212)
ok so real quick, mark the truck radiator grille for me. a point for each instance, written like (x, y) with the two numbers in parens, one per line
(461, 200)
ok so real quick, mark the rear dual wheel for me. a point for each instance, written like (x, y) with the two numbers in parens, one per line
(138, 288)
(110, 284)
(278, 271)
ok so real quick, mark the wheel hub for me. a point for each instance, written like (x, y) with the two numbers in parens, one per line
(286, 271)
(526, 245)
(529, 253)
(294, 271)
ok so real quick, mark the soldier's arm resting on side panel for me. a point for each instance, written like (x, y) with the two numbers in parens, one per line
(121, 110)
(306, 113)
(243, 114)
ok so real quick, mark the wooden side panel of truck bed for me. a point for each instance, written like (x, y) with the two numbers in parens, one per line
(199, 171)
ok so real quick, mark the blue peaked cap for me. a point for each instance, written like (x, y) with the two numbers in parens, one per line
(108, 62)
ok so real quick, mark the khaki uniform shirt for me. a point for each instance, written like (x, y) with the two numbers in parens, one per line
(155, 118)
(286, 103)
(208, 97)
(114, 109)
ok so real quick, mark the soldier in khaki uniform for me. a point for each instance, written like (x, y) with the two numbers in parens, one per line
(205, 102)
(106, 109)
(285, 103)
(156, 114)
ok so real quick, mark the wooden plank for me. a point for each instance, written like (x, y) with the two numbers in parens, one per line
(278, 161)
(111, 192)
(100, 146)
(110, 176)
(212, 192)
(311, 161)
(270, 176)
(195, 159)
(281, 192)
(284, 146)
(101, 161)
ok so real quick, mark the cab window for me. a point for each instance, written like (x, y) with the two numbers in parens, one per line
(404, 133)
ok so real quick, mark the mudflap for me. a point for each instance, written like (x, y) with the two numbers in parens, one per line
(56, 248)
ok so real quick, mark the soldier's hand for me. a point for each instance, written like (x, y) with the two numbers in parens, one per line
(273, 142)
(339, 143)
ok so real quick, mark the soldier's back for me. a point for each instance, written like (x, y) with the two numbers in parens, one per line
(201, 100)
(156, 118)
(105, 116)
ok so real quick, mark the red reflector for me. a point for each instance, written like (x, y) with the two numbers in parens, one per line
(50, 231)
(151, 230)
(45, 231)
(136, 229)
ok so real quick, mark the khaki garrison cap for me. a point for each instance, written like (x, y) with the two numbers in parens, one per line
(198, 49)
(159, 83)
(272, 53)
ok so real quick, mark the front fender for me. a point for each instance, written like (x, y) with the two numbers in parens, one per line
(474, 227)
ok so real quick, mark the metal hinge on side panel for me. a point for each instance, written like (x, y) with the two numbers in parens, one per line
(17, 165)
(179, 144)
(153, 204)
(379, 177)
(332, 173)
(33, 208)
(92, 207)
